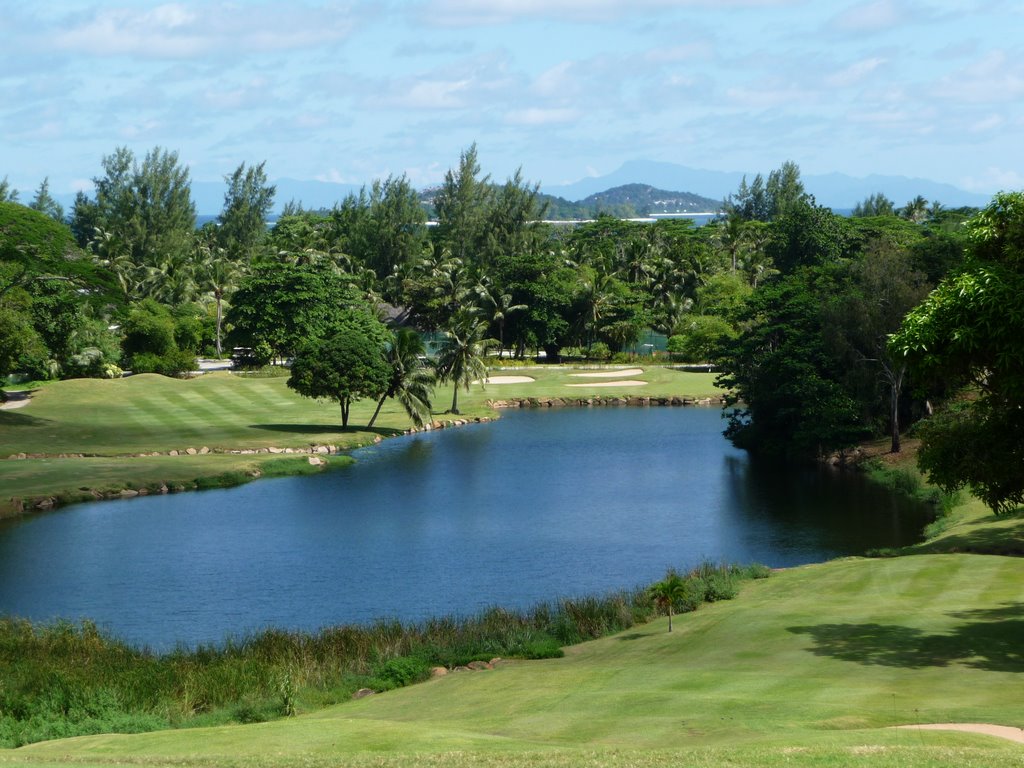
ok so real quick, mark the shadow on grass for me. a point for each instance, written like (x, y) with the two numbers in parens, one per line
(326, 429)
(15, 418)
(632, 636)
(993, 535)
(989, 640)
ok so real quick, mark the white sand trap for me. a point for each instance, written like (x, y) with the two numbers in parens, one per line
(17, 400)
(999, 731)
(623, 383)
(608, 374)
(507, 380)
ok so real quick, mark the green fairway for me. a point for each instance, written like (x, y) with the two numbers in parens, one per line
(110, 421)
(810, 667)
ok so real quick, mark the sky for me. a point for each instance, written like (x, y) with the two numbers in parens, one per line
(564, 89)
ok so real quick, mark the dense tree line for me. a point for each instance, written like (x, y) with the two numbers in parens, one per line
(794, 303)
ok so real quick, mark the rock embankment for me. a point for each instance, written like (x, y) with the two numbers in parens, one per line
(590, 402)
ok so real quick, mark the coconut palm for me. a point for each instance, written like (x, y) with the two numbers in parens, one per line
(667, 592)
(216, 275)
(498, 306)
(412, 381)
(916, 210)
(460, 358)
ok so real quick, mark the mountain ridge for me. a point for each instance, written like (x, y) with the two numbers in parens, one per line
(667, 180)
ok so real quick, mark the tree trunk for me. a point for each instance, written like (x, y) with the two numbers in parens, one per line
(374, 417)
(455, 399)
(220, 317)
(895, 387)
(344, 401)
(670, 617)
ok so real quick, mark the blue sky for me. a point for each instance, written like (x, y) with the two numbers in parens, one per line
(352, 91)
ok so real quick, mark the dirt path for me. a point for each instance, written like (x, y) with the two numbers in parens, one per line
(999, 731)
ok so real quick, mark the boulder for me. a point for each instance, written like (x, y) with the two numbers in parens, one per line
(438, 671)
(362, 693)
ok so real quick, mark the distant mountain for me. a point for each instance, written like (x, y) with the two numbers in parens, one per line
(835, 190)
(640, 186)
(645, 200)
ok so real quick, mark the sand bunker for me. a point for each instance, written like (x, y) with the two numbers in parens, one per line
(16, 400)
(623, 383)
(607, 374)
(507, 380)
(999, 731)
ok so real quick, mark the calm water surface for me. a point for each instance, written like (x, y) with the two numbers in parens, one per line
(539, 505)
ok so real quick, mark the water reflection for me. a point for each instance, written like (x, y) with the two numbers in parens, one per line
(538, 505)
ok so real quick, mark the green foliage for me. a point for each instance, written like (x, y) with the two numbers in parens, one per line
(460, 358)
(65, 679)
(806, 235)
(786, 399)
(146, 207)
(285, 304)
(18, 340)
(874, 205)
(970, 329)
(242, 224)
(398, 672)
(700, 338)
(345, 367)
(410, 380)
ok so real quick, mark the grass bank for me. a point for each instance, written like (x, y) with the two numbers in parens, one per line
(810, 667)
(67, 680)
(112, 422)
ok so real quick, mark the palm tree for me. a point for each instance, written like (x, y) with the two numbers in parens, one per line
(460, 359)
(667, 592)
(916, 210)
(412, 381)
(499, 307)
(217, 275)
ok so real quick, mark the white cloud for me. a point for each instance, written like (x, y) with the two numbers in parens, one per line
(489, 12)
(701, 49)
(988, 124)
(874, 16)
(854, 73)
(994, 179)
(997, 77)
(768, 96)
(534, 116)
(184, 30)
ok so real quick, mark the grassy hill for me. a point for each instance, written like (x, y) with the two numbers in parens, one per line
(810, 667)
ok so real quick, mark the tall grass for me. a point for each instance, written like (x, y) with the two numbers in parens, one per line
(65, 679)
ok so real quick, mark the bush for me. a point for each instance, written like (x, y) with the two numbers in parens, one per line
(398, 672)
(173, 363)
(599, 351)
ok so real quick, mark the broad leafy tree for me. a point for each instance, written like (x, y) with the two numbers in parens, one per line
(971, 329)
(283, 305)
(346, 366)
(786, 400)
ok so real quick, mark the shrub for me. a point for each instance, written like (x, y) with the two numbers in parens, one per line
(398, 672)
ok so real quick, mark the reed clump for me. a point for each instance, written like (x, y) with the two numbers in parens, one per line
(67, 679)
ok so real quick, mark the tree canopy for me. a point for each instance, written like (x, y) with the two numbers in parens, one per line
(970, 329)
(346, 366)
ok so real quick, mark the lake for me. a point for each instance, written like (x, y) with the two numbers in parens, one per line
(542, 504)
